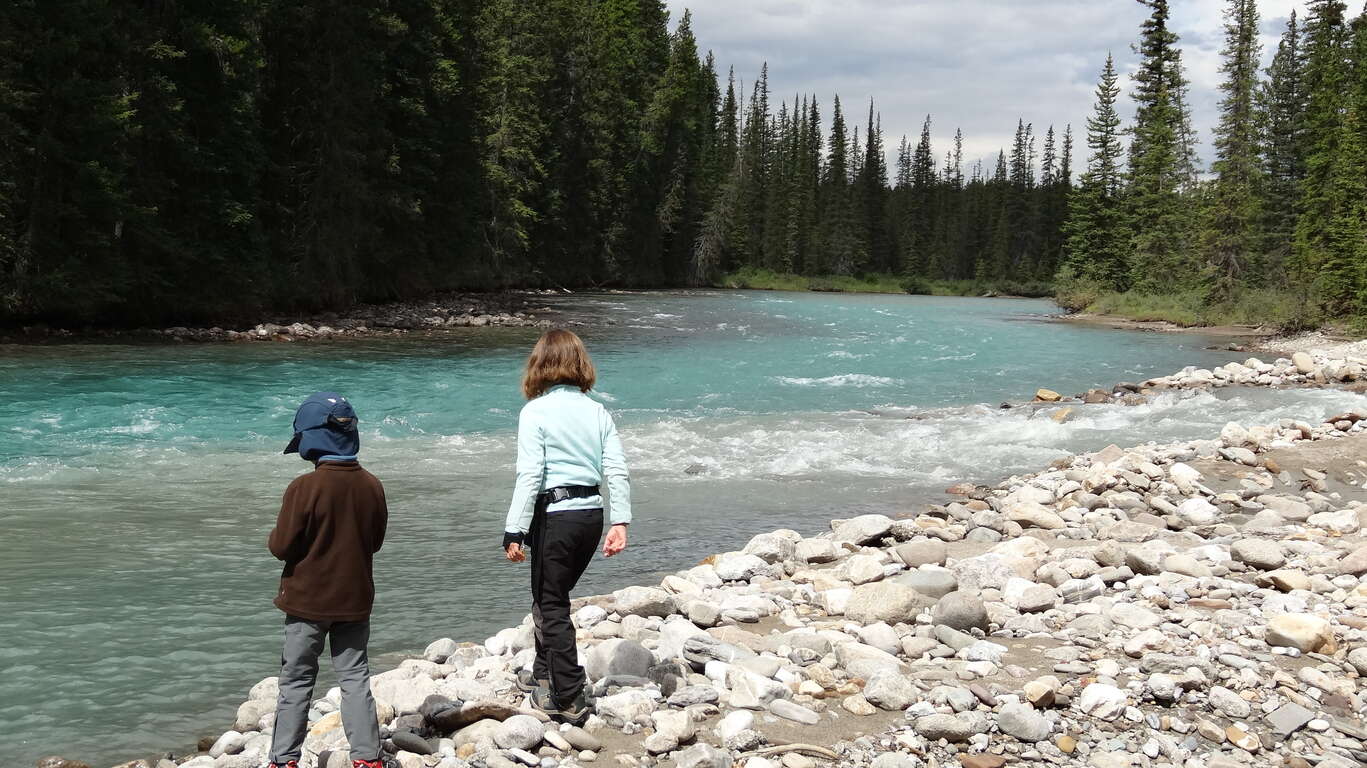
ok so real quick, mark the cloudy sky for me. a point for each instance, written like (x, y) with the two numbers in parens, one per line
(974, 64)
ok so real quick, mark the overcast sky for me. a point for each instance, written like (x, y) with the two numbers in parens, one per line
(974, 64)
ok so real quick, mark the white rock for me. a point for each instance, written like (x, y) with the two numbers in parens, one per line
(864, 529)
(1102, 701)
(645, 601)
(630, 706)
(751, 691)
(891, 690)
(1198, 511)
(519, 732)
(1303, 361)
(818, 551)
(734, 723)
(1302, 631)
(740, 567)
(1342, 521)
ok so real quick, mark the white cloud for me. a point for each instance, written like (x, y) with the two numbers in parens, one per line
(974, 64)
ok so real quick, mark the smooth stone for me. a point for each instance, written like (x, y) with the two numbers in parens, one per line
(886, 601)
(1102, 701)
(1302, 631)
(1022, 722)
(790, 710)
(519, 732)
(961, 610)
(951, 728)
(923, 552)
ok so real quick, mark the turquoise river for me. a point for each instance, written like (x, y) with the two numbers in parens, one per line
(138, 482)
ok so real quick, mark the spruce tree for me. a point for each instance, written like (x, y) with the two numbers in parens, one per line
(1231, 236)
(873, 185)
(1281, 115)
(1160, 166)
(1326, 82)
(919, 259)
(1096, 240)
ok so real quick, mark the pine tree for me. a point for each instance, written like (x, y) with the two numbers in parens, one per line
(1231, 233)
(1281, 113)
(1160, 166)
(1326, 80)
(918, 259)
(841, 249)
(873, 185)
(1096, 244)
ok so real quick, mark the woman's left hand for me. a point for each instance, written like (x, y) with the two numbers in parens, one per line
(616, 540)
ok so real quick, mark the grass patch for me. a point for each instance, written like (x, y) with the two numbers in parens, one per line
(1278, 309)
(767, 280)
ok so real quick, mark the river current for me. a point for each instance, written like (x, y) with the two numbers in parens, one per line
(138, 482)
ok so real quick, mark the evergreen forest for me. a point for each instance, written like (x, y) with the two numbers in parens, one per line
(210, 161)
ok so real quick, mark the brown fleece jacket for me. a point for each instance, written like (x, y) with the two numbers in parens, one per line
(331, 522)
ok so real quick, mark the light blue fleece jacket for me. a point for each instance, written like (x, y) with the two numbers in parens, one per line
(564, 437)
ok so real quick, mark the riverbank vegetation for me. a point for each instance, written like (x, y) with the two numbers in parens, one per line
(196, 164)
(769, 280)
(1277, 233)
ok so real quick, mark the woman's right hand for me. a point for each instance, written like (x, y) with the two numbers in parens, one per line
(616, 540)
(512, 547)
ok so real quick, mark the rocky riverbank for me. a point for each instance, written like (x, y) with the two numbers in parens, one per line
(448, 311)
(1200, 604)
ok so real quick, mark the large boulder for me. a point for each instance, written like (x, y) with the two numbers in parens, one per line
(644, 601)
(740, 567)
(818, 551)
(1030, 514)
(962, 611)
(773, 547)
(891, 690)
(922, 552)
(519, 732)
(629, 706)
(1303, 631)
(865, 661)
(886, 601)
(864, 529)
(1258, 553)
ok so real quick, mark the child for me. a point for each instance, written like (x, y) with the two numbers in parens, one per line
(566, 446)
(331, 523)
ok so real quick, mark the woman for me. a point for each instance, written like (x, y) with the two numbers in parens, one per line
(567, 446)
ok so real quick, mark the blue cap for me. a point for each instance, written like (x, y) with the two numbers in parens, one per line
(325, 425)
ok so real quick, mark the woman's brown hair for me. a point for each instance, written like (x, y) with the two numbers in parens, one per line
(559, 357)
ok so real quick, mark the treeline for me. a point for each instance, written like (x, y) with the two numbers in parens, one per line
(1283, 212)
(204, 161)
(795, 201)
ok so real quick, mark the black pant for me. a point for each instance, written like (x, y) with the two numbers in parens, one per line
(562, 545)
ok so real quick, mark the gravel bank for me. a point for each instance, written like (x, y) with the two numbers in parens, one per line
(1200, 604)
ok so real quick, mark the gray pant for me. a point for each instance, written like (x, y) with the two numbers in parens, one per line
(298, 671)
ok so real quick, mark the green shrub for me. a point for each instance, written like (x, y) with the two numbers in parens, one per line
(917, 285)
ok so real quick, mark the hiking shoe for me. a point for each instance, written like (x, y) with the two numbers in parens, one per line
(290, 764)
(574, 712)
(527, 683)
(367, 764)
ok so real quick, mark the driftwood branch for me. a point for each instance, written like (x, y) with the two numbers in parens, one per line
(810, 749)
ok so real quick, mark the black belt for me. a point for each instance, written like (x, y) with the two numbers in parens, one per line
(563, 492)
